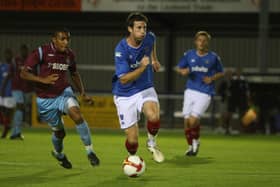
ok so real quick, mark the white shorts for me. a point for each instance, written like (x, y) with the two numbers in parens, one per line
(129, 108)
(195, 103)
(8, 102)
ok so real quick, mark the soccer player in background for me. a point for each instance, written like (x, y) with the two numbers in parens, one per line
(203, 68)
(18, 89)
(8, 102)
(133, 87)
(55, 96)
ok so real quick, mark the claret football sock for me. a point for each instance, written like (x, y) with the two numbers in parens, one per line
(188, 136)
(153, 127)
(131, 147)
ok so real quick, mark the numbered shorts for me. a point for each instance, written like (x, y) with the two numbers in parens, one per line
(130, 108)
(18, 96)
(51, 109)
(195, 103)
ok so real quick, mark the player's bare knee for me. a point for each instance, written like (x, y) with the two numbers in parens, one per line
(60, 134)
(152, 116)
(193, 121)
(76, 116)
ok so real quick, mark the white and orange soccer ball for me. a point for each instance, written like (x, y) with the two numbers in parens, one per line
(134, 166)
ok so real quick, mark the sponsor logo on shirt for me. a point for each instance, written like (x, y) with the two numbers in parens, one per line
(58, 66)
(193, 60)
(50, 54)
(200, 69)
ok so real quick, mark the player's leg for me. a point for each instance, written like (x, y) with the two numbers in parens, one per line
(83, 130)
(151, 111)
(18, 115)
(194, 133)
(6, 120)
(200, 105)
(131, 142)
(49, 113)
(8, 110)
(232, 107)
(128, 118)
(187, 108)
(188, 136)
(57, 140)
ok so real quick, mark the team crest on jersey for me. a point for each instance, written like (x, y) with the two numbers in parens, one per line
(130, 56)
(207, 62)
(118, 54)
(68, 60)
(192, 60)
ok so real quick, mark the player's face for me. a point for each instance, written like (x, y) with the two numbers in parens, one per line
(201, 43)
(61, 41)
(138, 32)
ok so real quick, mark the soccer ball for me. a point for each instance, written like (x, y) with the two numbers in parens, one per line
(134, 166)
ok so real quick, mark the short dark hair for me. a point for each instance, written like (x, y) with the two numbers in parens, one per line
(58, 30)
(135, 16)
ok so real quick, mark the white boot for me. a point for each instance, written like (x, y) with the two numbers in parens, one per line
(152, 147)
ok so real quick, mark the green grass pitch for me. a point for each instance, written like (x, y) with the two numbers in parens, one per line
(238, 161)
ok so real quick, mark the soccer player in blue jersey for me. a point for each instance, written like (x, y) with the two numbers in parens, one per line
(8, 103)
(203, 68)
(133, 87)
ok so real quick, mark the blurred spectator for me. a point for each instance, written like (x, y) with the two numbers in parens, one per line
(8, 102)
(235, 94)
(27, 87)
(222, 91)
(19, 86)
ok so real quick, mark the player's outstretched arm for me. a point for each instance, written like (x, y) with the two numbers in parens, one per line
(76, 78)
(50, 79)
(132, 76)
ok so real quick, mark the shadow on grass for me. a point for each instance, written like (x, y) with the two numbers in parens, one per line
(35, 178)
(184, 162)
(124, 181)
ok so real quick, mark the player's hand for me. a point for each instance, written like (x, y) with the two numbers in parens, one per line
(145, 61)
(207, 80)
(156, 65)
(51, 79)
(87, 99)
(184, 71)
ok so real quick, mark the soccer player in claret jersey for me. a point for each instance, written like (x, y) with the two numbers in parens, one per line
(203, 68)
(133, 88)
(54, 93)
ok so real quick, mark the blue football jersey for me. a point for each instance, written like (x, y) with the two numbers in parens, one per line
(127, 59)
(4, 71)
(200, 67)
